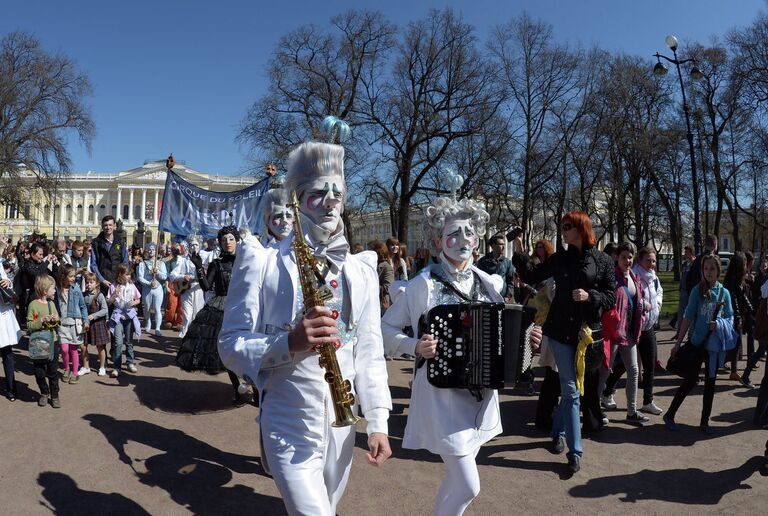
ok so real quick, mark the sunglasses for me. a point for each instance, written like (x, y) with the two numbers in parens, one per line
(567, 226)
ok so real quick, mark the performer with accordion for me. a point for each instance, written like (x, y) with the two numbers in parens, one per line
(447, 301)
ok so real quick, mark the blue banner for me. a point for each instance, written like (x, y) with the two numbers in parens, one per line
(189, 209)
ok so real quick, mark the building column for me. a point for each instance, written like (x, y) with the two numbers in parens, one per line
(130, 208)
(74, 209)
(62, 212)
(119, 203)
(156, 220)
(143, 204)
(84, 218)
(52, 206)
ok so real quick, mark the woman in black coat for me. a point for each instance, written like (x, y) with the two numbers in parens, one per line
(584, 288)
(199, 347)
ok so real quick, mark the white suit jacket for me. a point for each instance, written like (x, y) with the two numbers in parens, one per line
(261, 305)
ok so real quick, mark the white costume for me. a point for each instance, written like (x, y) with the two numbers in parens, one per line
(10, 333)
(308, 458)
(449, 422)
(192, 300)
(152, 298)
(443, 421)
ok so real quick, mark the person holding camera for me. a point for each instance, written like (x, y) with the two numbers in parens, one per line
(494, 262)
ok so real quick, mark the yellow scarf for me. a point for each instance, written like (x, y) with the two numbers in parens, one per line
(581, 351)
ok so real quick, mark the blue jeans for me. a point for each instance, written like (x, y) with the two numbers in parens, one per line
(566, 421)
(123, 336)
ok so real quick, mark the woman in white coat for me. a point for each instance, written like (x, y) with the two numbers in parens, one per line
(267, 337)
(451, 423)
(10, 333)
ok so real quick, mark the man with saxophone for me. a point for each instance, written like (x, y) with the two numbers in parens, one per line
(150, 274)
(298, 315)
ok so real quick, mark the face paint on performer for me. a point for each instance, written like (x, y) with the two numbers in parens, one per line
(458, 241)
(228, 243)
(323, 202)
(280, 221)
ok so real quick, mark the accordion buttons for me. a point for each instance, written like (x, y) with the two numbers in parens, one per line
(459, 353)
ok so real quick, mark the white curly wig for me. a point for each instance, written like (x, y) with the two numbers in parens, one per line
(445, 209)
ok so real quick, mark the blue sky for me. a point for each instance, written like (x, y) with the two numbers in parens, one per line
(178, 76)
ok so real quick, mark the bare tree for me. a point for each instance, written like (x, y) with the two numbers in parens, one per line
(440, 91)
(42, 102)
(312, 74)
(536, 75)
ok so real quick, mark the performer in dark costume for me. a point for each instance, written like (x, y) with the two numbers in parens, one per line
(198, 350)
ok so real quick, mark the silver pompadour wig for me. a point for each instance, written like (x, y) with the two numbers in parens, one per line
(311, 160)
(445, 209)
(274, 197)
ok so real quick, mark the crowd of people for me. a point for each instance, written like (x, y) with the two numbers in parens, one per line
(253, 307)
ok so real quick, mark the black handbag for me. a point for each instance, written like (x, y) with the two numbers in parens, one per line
(686, 359)
(595, 352)
(8, 295)
(688, 356)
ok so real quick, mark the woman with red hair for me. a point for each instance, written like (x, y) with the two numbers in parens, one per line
(586, 285)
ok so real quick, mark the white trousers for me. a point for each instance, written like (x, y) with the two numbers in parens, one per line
(191, 302)
(152, 300)
(460, 486)
(311, 481)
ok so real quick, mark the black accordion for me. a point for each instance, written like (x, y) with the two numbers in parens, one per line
(479, 345)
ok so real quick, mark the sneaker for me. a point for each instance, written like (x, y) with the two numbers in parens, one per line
(608, 402)
(42, 401)
(735, 377)
(73, 379)
(157, 333)
(66, 376)
(147, 329)
(606, 421)
(115, 373)
(132, 368)
(746, 383)
(574, 463)
(651, 408)
(670, 424)
(102, 372)
(558, 445)
(83, 371)
(637, 418)
(55, 403)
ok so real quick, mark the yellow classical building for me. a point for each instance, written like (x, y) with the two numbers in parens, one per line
(74, 211)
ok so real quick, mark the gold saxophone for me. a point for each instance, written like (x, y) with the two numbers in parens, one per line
(153, 284)
(315, 294)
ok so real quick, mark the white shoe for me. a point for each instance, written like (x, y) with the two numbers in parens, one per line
(146, 329)
(83, 371)
(651, 408)
(102, 371)
(608, 402)
(132, 368)
(115, 373)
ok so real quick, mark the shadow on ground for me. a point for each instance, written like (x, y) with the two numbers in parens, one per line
(193, 472)
(672, 485)
(64, 497)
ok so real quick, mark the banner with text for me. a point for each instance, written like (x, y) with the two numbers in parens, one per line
(187, 208)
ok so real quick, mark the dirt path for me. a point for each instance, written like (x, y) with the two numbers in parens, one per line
(166, 442)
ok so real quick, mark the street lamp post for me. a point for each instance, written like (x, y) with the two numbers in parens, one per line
(661, 69)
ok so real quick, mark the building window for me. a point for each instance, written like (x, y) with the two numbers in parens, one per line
(137, 212)
(114, 210)
(91, 214)
(68, 213)
(125, 212)
(79, 213)
(726, 244)
(46, 212)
